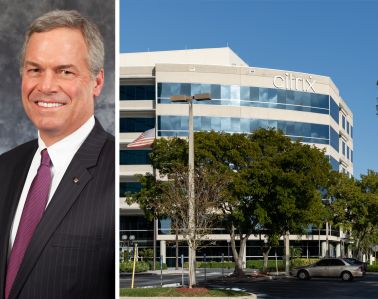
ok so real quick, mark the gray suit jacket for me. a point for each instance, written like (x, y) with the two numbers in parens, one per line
(71, 254)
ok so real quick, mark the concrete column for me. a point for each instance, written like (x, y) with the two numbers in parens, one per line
(163, 250)
(324, 248)
(338, 250)
(245, 256)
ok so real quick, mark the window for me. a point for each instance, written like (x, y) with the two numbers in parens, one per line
(306, 132)
(134, 157)
(343, 147)
(131, 187)
(334, 110)
(136, 92)
(136, 124)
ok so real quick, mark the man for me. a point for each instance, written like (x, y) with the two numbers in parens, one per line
(57, 192)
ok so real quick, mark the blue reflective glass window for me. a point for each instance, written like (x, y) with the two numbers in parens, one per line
(205, 123)
(254, 93)
(215, 91)
(129, 187)
(320, 100)
(136, 124)
(216, 124)
(235, 92)
(263, 94)
(245, 125)
(195, 89)
(244, 93)
(319, 131)
(185, 89)
(334, 110)
(235, 124)
(343, 147)
(169, 89)
(347, 127)
(334, 163)
(281, 96)
(347, 151)
(334, 140)
(351, 156)
(302, 98)
(225, 124)
(343, 121)
(134, 157)
(225, 92)
(351, 131)
(290, 97)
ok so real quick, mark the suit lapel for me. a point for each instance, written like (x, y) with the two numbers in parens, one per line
(16, 183)
(73, 182)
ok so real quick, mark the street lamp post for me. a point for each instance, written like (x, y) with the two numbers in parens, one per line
(191, 203)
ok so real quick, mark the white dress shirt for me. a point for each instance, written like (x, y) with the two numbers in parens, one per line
(61, 154)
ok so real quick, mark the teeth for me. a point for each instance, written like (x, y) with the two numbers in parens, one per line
(49, 105)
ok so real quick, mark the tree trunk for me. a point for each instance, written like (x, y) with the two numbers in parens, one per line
(287, 253)
(238, 256)
(192, 264)
(177, 249)
(265, 251)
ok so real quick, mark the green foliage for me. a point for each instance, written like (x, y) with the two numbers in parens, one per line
(372, 268)
(268, 182)
(295, 252)
(157, 265)
(147, 254)
(212, 264)
(355, 206)
(259, 264)
(300, 262)
(128, 266)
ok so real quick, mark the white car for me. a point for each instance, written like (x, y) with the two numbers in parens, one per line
(329, 267)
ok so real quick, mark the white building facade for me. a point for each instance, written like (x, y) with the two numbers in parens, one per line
(306, 107)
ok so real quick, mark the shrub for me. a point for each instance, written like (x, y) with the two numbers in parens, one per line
(300, 262)
(147, 254)
(151, 265)
(259, 264)
(372, 268)
(212, 264)
(128, 266)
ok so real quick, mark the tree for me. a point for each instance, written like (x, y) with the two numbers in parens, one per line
(167, 195)
(355, 205)
(284, 183)
(275, 185)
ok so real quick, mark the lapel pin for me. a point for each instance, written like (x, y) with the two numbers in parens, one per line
(76, 180)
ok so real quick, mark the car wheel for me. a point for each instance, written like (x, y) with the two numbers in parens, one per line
(303, 275)
(346, 276)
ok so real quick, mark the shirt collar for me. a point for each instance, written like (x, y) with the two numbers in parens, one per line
(62, 152)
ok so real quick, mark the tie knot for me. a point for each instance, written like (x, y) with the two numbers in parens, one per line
(45, 158)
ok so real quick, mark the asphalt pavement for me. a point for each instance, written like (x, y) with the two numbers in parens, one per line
(268, 287)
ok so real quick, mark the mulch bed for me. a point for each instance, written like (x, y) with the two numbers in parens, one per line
(199, 291)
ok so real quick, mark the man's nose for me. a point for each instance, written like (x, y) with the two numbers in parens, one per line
(48, 82)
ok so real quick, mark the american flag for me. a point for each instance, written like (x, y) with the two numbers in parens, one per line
(145, 140)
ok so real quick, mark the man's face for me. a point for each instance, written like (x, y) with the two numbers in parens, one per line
(57, 88)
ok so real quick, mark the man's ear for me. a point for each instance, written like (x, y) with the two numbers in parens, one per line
(99, 83)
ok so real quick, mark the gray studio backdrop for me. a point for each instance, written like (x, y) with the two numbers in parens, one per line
(15, 16)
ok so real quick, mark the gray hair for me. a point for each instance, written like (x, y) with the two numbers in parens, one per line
(73, 20)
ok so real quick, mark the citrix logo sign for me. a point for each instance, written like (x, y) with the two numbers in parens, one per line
(294, 83)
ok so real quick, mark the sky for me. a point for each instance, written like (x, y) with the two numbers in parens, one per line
(335, 38)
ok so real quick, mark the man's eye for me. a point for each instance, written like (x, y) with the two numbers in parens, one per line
(34, 70)
(65, 72)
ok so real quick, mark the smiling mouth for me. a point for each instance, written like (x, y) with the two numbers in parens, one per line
(49, 105)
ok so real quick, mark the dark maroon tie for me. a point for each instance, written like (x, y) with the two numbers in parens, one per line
(34, 207)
